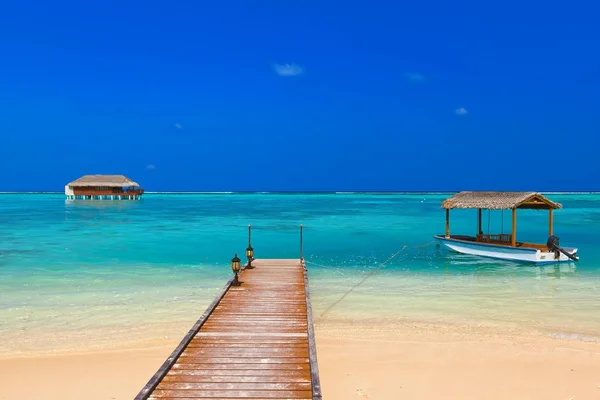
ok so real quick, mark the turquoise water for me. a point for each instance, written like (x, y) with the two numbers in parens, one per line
(78, 275)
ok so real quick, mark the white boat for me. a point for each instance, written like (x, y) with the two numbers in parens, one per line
(504, 245)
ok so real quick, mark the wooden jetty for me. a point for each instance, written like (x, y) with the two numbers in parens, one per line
(255, 341)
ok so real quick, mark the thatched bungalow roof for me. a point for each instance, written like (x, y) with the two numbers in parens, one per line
(103, 180)
(500, 201)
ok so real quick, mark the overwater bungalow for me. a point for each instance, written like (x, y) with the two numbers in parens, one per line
(103, 187)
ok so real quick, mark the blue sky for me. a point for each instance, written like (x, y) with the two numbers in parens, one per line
(245, 95)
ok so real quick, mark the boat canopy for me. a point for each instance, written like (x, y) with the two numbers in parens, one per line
(500, 201)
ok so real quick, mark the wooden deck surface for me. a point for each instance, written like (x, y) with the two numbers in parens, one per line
(255, 341)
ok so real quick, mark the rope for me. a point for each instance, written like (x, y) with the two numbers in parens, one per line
(368, 275)
(318, 265)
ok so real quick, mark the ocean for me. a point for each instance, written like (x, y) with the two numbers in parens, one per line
(85, 275)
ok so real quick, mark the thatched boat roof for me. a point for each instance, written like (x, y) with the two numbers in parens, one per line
(103, 180)
(500, 201)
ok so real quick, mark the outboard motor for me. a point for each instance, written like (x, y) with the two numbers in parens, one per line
(553, 244)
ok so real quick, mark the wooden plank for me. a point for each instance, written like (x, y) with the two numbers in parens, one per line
(242, 366)
(234, 373)
(272, 302)
(257, 317)
(273, 312)
(231, 394)
(252, 329)
(264, 312)
(273, 309)
(250, 340)
(233, 322)
(248, 353)
(234, 386)
(277, 287)
(240, 304)
(250, 324)
(263, 302)
(257, 345)
(279, 378)
(241, 360)
(257, 295)
(248, 343)
(246, 335)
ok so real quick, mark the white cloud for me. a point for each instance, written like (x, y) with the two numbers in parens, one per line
(178, 126)
(461, 111)
(151, 166)
(414, 77)
(288, 69)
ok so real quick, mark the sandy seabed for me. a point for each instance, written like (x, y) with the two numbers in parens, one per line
(356, 361)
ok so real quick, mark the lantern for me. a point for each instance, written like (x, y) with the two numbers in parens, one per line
(250, 256)
(235, 267)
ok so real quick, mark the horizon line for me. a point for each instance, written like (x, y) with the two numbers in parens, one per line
(310, 192)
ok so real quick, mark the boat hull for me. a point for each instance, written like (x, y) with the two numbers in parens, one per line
(523, 254)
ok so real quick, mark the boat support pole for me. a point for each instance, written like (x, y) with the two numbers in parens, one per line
(513, 236)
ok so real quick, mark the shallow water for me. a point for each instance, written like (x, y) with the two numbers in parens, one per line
(78, 275)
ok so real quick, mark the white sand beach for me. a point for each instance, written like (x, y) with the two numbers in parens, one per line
(357, 361)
